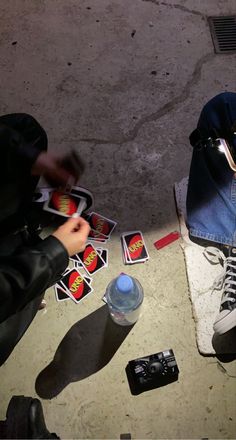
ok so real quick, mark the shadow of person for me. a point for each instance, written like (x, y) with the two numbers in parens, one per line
(225, 345)
(85, 349)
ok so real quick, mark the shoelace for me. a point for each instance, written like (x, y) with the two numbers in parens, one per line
(227, 278)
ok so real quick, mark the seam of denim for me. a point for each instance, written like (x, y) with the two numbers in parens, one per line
(213, 237)
(233, 190)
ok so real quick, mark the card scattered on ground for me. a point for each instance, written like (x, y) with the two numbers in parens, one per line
(133, 247)
(101, 227)
(76, 282)
(201, 275)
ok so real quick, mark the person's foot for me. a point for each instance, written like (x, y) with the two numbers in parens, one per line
(37, 426)
(226, 319)
(25, 420)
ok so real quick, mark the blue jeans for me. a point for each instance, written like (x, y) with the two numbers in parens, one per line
(211, 196)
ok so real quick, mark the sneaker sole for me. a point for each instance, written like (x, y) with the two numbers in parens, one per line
(226, 323)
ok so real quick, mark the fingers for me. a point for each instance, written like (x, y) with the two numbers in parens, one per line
(60, 176)
(77, 223)
(84, 227)
(73, 235)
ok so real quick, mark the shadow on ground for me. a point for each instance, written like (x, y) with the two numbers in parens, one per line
(224, 343)
(85, 349)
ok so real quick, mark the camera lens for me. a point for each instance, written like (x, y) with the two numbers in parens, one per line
(155, 367)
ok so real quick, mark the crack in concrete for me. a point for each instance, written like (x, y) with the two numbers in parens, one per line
(166, 108)
(176, 6)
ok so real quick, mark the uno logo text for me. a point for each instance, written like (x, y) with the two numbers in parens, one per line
(137, 245)
(76, 284)
(90, 258)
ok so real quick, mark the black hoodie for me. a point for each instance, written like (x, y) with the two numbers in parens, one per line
(28, 266)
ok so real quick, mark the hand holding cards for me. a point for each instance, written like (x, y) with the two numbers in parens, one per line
(66, 203)
(73, 235)
(134, 248)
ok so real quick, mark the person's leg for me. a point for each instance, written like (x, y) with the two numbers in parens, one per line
(211, 197)
(33, 134)
(12, 330)
(211, 201)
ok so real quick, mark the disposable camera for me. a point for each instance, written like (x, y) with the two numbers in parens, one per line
(152, 371)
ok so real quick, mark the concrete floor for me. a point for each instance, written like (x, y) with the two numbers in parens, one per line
(122, 81)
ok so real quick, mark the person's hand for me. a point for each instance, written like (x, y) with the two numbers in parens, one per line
(51, 167)
(73, 235)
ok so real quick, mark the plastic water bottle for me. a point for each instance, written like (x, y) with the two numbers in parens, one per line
(124, 296)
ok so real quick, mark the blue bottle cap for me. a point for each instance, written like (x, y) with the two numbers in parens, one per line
(124, 283)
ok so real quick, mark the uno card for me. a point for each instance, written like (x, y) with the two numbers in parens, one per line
(60, 293)
(124, 251)
(135, 246)
(41, 194)
(104, 254)
(91, 260)
(88, 279)
(78, 265)
(65, 271)
(96, 236)
(86, 194)
(64, 204)
(75, 285)
(75, 259)
(101, 225)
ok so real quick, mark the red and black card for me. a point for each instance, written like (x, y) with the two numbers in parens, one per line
(96, 236)
(134, 247)
(101, 225)
(64, 204)
(61, 294)
(75, 285)
(91, 260)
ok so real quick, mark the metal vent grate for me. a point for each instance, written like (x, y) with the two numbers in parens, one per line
(223, 32)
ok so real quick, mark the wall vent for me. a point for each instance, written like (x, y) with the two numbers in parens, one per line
(223, 32)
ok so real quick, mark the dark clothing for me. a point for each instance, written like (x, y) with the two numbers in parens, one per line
(28, 265)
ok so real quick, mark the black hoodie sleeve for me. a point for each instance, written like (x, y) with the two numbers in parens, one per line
(28, 272)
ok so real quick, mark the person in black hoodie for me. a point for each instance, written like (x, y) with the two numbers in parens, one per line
(28, 264)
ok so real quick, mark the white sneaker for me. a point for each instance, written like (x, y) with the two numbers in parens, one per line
(226, 319)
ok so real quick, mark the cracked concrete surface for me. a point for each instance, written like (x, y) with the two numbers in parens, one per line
(122, 81)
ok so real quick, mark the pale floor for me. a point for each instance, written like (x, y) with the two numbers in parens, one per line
(127, 103)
